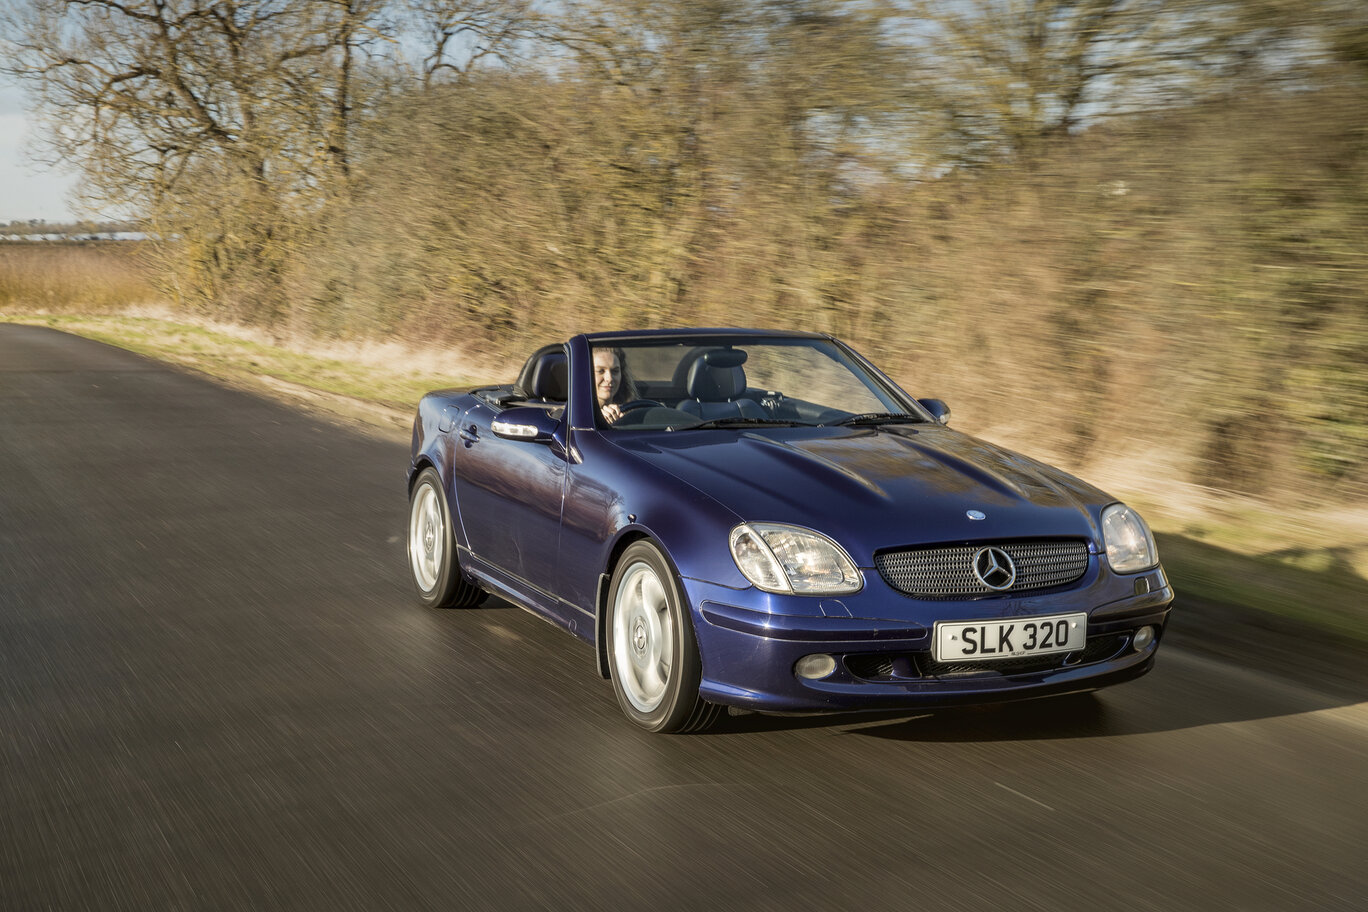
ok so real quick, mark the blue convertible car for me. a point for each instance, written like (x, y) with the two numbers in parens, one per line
(764, 520)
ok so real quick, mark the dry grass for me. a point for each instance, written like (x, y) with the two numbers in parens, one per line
(369, 358)
(73, 277)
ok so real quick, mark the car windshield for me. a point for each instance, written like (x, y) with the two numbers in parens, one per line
(739, 382)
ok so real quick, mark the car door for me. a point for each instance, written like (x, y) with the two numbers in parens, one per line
(509, 495)
(592, 515)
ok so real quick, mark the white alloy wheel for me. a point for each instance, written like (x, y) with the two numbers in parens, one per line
(643, 637)
(427, 538)
(432, 548)
(653, 656)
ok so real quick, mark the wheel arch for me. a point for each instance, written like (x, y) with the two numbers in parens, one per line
(625, 541)
(419, 464)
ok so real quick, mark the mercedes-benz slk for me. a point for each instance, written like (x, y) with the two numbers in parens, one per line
(764, 520)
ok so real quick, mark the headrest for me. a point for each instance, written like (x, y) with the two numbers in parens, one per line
(717, 383)
(524, 384)
(725, 357)
(549, 378)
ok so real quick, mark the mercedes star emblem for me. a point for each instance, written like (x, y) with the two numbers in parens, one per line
(994, 568)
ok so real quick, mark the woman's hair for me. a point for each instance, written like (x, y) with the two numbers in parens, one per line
(626, 390)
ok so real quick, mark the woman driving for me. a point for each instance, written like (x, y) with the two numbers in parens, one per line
(612, 386)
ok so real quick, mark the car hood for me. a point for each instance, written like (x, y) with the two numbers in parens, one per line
(873, 488)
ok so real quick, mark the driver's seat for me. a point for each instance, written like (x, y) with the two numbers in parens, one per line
(715, 384)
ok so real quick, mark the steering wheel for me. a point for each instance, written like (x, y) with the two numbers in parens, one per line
(639, 404)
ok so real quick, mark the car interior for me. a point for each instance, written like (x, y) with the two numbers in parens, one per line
(707, 383)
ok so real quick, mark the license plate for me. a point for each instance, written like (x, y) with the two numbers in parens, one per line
(976, 641)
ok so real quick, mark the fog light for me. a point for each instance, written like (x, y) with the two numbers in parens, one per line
(814, 666)
(1143, 637)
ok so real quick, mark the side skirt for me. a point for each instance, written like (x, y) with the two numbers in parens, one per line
(523, 594)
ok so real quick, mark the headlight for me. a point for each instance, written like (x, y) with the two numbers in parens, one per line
(1130, 546)
(780, 558)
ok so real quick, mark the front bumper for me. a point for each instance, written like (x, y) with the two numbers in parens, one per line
(749, 653)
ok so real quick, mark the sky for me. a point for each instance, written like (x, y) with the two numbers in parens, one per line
(28, 189)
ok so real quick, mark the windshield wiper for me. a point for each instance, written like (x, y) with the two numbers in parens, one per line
(874, 418)
(735, 421)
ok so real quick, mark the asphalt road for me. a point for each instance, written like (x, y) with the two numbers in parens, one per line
(217, 692)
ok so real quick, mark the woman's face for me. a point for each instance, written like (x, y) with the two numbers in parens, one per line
(607, 375)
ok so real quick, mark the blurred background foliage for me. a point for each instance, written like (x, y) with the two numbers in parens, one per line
(1100, 226)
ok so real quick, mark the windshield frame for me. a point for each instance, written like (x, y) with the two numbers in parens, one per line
(890, 396)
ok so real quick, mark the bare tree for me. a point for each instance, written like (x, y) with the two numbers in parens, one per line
(1004, 74)
(459, 35)
(218, 119)
(136, 91)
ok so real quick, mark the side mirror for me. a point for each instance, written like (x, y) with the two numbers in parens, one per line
(939, 410)
(535, 425)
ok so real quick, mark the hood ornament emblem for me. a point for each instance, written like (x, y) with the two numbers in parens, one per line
(976, 514)
(995, 568)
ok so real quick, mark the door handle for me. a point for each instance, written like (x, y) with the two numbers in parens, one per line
(470, 434)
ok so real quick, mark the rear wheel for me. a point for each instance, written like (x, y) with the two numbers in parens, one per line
(652, 655)
(432, 548)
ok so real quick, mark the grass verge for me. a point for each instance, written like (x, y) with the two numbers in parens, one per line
(374, 385)
(1280, 570)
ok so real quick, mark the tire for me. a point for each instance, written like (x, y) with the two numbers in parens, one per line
(432, 548)
(652, 653)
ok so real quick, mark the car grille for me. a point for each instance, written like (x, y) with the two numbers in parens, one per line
(947, 571)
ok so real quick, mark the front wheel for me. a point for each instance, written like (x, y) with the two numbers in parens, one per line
(653, 656)
(432, 548)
